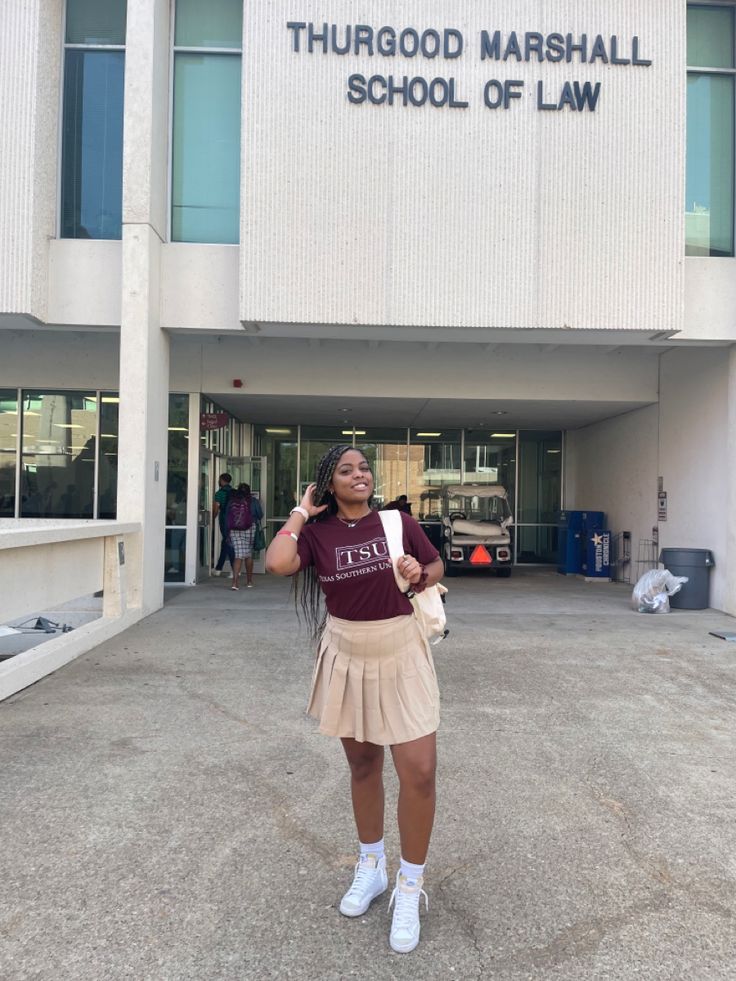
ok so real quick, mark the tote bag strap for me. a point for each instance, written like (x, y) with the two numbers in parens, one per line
(393, 529)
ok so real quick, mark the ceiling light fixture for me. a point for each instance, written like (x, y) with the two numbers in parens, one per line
(353, 432)
(276, 431)
(429, 434)
(178, 429)
(503, 435)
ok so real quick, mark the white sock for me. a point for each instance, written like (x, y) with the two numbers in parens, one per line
(412, 873)
(376, 849)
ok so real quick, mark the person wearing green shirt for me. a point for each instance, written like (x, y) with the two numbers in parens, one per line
(222, 496)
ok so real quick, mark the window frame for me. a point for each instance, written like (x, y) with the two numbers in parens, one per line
(99, 394)
(174, 48)
(74, 46)
(728, 73)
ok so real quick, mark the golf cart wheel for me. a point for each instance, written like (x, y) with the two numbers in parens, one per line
(450, 569)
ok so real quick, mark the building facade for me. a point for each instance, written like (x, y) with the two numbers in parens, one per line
(483, 245)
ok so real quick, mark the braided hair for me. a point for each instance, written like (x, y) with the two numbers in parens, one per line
(325, 469)
(306, 587)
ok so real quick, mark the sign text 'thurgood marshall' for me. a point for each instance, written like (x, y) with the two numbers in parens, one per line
(449, 44)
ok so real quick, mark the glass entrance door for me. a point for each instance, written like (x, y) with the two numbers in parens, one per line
(251, 470)
(219, 466)
(204, 515)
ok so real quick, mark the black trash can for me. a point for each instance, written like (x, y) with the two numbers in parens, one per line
(695, 563)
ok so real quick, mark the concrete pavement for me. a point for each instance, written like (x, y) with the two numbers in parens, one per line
(168, 812)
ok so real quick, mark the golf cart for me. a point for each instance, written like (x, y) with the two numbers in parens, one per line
(430, 516)
(476, 527)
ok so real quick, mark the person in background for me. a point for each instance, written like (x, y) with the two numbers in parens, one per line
(219, 513)
(374, 683)
(400, 504)
(243, 514)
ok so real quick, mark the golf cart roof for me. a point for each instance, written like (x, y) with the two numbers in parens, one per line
(475, 490)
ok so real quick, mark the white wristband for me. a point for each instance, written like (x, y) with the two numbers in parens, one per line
(300, 510)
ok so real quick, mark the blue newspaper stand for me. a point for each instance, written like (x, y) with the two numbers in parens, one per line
(570, 561)
(593, 520)
(575, 528)
(598, 555)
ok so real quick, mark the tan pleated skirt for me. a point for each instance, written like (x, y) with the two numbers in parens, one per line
(374, 681)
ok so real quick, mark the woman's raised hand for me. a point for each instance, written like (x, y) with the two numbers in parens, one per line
(308, 502)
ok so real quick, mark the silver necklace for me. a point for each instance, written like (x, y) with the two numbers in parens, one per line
(351, 524)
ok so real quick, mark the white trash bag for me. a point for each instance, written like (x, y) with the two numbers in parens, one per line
(652, 592)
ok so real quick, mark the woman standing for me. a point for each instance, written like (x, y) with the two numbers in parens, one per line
(243, 514)
(374, 683)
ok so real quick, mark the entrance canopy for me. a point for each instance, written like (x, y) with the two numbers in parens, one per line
(565, 413)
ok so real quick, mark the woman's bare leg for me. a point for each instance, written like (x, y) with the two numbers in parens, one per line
(366, 787)
(416, 763)
(249, 571)
(236, 570)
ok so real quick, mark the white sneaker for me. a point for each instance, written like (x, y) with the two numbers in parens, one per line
(215, 572)
(405, 924)
(370, 881)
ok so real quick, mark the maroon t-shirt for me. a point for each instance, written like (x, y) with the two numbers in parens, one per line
(354, 567)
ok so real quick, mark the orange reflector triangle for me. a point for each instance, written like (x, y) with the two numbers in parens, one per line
(480, 556)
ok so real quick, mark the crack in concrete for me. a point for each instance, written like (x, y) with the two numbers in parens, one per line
(658, 868)
(216, 707)
(464, 918)
(584, 937)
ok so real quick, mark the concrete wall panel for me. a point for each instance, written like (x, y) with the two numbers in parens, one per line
(84, 282)
(412, 370)
(694, 460)
(199, 286)
(30, 45)
(710, 299)
(381, 214)
(612, 467)
(49, 358)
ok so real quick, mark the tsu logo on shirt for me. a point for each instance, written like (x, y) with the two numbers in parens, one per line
(354, 556)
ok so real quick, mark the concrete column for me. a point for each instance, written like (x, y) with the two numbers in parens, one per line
(192, 559)
(730, 517)
(144, 346)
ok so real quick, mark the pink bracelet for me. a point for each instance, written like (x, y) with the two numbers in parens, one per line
(291, 534)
